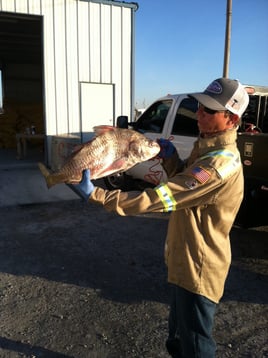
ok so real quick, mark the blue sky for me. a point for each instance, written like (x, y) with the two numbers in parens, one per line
(179, 45)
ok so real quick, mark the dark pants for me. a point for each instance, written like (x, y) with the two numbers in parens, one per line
(190, 325)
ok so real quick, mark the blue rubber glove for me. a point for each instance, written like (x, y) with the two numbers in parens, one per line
(167, 148)
(85, 187)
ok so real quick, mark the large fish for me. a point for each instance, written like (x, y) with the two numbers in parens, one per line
(112, 150)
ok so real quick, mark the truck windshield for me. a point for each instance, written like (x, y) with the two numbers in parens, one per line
(153, 119)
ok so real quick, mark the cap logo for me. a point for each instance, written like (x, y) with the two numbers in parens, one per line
(214, 87)
(233, 102)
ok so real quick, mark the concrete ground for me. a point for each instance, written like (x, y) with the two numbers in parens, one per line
(22, 183)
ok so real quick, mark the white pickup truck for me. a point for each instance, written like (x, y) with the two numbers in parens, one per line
(174, 117)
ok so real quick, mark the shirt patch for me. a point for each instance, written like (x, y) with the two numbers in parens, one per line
(191, 184)
(200, 174)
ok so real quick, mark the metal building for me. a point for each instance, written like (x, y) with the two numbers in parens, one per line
(76, 57)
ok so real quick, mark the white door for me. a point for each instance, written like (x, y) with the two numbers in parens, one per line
(97, 107)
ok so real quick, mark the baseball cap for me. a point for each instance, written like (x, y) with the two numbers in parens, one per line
(224, 94)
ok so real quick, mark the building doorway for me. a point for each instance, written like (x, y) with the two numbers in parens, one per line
(22, 125)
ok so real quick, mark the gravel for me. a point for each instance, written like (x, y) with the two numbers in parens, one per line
(78, 282)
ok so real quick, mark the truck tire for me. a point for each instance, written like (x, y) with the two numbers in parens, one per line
(118, 181)
(125, 182)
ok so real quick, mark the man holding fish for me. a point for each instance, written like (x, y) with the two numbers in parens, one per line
(203, 195)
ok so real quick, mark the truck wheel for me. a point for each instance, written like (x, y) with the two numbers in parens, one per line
(118, 181)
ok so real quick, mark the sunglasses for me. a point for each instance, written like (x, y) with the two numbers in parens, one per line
(208, 110)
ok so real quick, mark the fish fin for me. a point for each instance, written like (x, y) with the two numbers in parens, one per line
(115, 167)
(46, 173)
(103, 129)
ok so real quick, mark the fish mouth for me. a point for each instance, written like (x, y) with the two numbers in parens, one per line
(157, 148)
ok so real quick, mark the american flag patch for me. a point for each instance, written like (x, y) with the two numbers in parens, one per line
(200, 174)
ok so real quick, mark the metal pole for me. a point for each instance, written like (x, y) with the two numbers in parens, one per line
(227, 39)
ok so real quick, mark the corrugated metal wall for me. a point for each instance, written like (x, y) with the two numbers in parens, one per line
(84, 41)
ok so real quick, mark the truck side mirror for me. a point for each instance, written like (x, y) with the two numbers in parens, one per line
(122, 122)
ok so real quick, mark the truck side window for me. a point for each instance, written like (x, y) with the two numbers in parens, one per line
(153, 119)
(185, 122)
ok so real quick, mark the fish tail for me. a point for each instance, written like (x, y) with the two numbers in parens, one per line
(44, 170)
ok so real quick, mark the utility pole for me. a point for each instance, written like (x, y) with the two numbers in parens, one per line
(227, 38)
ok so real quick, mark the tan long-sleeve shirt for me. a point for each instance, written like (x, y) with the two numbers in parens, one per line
(203, 200)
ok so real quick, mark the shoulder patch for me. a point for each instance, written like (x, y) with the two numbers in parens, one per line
(228, 169)
(200, 174)
(231, 162)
